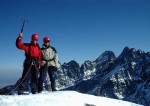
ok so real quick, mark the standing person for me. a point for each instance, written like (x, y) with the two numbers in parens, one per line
(31, 64)
(49, 64)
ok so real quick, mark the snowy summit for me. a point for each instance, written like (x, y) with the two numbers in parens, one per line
(61, 98)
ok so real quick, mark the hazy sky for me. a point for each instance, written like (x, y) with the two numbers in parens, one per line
(79, 29)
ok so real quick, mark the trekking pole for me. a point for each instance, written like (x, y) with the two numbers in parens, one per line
(23, 25)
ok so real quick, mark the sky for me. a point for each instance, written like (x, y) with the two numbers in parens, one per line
(61, 98)
(80, 30)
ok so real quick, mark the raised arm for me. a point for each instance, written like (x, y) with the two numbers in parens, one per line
(19, 43)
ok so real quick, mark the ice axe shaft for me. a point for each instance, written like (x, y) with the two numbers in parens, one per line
(23, 25)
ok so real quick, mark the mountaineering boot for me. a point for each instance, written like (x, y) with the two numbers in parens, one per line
(23, 93)
(54, 89)
(34, 92)
(53, 86)
(40, 88)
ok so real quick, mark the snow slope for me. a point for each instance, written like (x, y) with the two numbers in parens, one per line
(60, 98)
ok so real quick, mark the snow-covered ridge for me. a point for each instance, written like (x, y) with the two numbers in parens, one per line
(61, 98)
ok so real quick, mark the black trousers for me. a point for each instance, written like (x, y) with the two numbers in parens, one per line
(29, 75)
(52, 75)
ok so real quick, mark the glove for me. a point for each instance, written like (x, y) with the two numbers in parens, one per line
(43, 63)
(57, 65)
(20, 34)
(39, 67)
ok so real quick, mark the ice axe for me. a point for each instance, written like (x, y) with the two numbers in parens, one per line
(23, 25)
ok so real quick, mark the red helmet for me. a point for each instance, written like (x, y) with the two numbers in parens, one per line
(35, 37)
(46, 39)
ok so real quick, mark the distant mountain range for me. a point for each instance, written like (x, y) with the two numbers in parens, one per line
(126, 77)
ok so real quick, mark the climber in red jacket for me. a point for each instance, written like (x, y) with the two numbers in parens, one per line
(32, 63)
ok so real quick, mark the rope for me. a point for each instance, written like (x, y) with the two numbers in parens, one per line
(21, 80)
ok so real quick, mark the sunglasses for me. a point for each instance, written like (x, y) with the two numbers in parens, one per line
(46, 41)
(34, 40)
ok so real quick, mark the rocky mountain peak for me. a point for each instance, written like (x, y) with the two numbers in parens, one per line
(107, 55)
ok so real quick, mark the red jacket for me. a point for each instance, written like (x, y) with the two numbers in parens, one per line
(35, 50)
